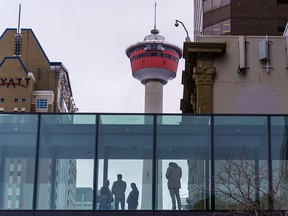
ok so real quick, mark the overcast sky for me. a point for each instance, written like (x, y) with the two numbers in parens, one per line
(90, 37)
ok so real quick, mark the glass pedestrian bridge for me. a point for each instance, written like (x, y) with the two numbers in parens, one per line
(56, 164)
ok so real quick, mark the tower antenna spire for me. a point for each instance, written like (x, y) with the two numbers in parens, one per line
(19, 18)
(18, 37)
(155, 31)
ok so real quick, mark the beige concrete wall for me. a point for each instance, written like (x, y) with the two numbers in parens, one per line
(257, 91)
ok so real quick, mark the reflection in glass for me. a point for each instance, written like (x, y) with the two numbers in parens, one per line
(184, 140)
(226, 27)
(125, 146)
(241, 153)
(279, 152)
(66, 162)
(208, 31)
(17, 160)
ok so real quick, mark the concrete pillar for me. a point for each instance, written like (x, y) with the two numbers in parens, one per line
(204, 90)
(153, 97)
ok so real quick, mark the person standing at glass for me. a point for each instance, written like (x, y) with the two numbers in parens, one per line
(132, 199)
(105, 196)
(118, 190)
(174, 174)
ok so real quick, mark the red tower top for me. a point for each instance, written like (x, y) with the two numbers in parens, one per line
(154, 58)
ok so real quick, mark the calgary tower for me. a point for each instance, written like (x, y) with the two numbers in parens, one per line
(154, 61)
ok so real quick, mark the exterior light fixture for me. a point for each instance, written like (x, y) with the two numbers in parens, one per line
(187, 39)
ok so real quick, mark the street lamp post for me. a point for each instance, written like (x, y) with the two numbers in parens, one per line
(187, 39)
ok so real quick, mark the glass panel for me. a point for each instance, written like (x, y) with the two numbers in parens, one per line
(241, 162)
(66, 162)
(208, 31)
(17, 160)
(225, 2)
(216, 4)
(217, 29)
(207, 5)
(226, 27)
(185, 141)
(279, 150)
(125, 146)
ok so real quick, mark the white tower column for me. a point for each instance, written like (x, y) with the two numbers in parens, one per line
(153, 97)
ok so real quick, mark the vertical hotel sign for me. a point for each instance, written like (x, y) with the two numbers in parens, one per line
(14, 82)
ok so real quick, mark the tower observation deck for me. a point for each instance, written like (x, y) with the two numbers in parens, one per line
(154, 62)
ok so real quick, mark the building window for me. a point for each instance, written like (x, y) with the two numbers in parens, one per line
(226, 27)
(225, 2)
(16, 100)
(1, 109)
(216, 4)
(11, 173)
(42, 104)
(208, 31)
(11, 161)
(281, 25)
(207, 5)
(2, 100)
(219, 28)
(19, 173)
(19, 161)
(282, 1)
(23, 100)
(23, 109)
(15, 109)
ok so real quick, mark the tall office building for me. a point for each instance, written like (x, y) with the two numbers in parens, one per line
(29, 82)
(240, 17)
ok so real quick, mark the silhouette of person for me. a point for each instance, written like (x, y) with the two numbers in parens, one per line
(118, 190)
(105, 196)
(174, 174)
(132, 199)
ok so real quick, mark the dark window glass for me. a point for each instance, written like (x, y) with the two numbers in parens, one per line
(282, 1)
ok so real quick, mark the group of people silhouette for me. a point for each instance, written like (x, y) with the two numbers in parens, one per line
(117, 192)
(117, 195)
